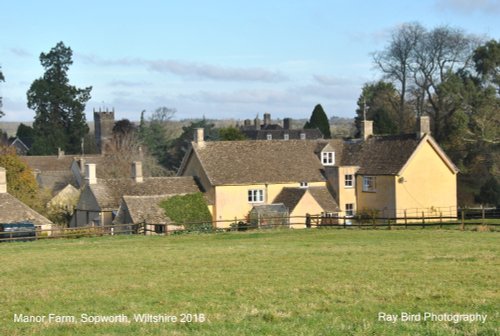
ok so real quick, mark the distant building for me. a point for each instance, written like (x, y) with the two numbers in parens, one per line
(13, 210)
(269, 131)
(103, 128)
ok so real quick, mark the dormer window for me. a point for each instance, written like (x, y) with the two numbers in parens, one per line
(304, 185)
(328, 158)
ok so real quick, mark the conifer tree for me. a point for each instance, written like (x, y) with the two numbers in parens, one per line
(59, 107)
(320, 121)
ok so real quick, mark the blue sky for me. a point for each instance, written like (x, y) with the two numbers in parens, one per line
(218, 59)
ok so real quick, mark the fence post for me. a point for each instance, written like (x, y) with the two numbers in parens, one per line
(406, 220)
(423, 220)
(440, 219)
(482, 214)
(463, 220)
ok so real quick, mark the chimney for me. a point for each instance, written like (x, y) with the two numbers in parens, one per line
(366, 129)
(82, 165)
(267, 119)
(257, 123)
(423, 126)
(3, 181)
(90, 175)
(286, 123)
(199, 137)
(137, 172)
(60, 153)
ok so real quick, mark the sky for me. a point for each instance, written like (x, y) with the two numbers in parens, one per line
(217, 59)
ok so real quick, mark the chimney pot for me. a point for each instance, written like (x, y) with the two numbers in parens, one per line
(3, 180)
(90, 175)
(137, 172)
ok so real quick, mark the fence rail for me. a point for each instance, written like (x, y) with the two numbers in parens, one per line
(484, 218)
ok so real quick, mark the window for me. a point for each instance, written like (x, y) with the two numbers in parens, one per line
(349, 209)
(255, 196)
(304, 184)
(269, 136)
(348, 181)
(369, 184)
(286, 136)
(328, 158)
(159, 229)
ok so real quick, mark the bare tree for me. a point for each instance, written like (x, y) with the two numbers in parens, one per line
(442, 52)
(396, 62)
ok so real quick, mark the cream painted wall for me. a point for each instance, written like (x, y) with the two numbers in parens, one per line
(306, 205)
(232, 201)
(347, 194)
(427, 184)
(383, 199)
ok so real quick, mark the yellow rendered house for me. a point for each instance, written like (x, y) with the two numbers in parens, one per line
(393, 176)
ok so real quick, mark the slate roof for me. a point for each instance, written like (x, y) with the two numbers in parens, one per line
(292, 196)
(13, 210)
(144, 209)
(56, 180)
(248, 162)
(108, 192)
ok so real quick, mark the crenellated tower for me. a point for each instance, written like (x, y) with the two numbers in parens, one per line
(104, 120)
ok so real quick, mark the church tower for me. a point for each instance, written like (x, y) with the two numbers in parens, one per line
(103, 126)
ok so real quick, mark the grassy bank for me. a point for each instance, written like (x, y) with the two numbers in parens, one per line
(318, 282)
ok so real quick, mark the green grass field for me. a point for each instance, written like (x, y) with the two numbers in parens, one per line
(303, 282)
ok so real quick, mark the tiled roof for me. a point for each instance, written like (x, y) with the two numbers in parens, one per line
(379, 155)
(108, 192)
(324, 199)
(247, 162)
(56, 180)
(282, 161)
(13, 210)
(292, 196)
(146, 209)
(49, 163)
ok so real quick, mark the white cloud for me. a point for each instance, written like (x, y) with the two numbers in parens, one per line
(20, 52)
(192, 70)
(491, 7)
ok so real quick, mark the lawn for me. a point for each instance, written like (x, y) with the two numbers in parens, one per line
(302, 282)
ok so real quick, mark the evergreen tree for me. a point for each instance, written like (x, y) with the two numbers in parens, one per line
(59, 107)
(320, 121)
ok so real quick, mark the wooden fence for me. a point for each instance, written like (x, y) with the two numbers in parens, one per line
(479, 219)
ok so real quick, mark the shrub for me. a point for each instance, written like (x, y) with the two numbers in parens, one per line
(190, 210)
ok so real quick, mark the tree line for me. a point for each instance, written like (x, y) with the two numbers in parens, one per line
(452, 77)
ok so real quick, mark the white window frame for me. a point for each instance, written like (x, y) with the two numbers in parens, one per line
(349, 209)
(256, 196)
(369, 184)
(303, 185)
(328, 158)
(349, 182)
